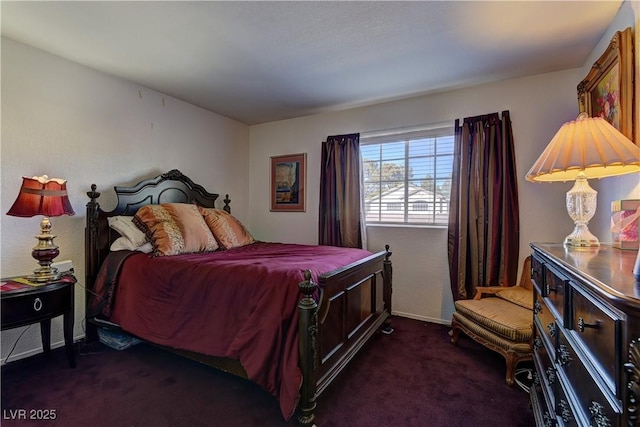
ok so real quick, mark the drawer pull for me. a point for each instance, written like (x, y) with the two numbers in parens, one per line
(537, 343)
(552, 329)
(565, 412)
(549, 420)
(551, 375)
(537, 307)
(564, 357)
(37, 304)
(598, 418)
(582, 324)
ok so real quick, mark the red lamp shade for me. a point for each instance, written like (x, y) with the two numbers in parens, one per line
(48, 197)
(42, 196)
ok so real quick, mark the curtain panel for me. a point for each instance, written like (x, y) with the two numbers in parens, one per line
(484, 217)
(341, 214)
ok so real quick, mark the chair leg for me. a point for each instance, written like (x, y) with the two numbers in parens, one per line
(511, 366)
(455, 334)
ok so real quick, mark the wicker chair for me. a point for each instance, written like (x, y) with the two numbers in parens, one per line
(500, 318)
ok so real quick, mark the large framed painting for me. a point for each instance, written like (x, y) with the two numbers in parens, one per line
(608, 89)
(288, 181)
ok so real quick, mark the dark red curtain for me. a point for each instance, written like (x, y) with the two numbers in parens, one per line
(340, 216)
(484, 218)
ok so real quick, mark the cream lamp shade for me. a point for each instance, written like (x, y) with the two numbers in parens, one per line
(588, 147)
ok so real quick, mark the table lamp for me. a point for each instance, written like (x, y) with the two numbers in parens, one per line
(40, 195)
(588, 147)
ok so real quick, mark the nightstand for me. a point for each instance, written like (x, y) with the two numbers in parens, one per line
(27, 304)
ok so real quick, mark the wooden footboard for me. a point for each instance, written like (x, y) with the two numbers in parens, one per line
(354, 303)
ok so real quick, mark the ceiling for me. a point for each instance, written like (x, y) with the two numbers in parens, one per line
(263, 61)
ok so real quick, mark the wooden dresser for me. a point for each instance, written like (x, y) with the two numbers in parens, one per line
(586, 337)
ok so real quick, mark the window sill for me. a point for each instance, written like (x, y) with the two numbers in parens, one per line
(398, 225)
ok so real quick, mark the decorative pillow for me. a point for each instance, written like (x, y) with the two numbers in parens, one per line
(127, 229)
(122, 243)
(517, 295)
(228, 231)
(175, 228)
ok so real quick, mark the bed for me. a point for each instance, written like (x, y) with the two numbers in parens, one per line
(288, 317)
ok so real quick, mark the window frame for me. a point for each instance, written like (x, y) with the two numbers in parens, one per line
(405, 136)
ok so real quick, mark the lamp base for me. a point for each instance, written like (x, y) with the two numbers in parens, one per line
(45, 252)
(581, 237)
(43, 275)
(581, 206)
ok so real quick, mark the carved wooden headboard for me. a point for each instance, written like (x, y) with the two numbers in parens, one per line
(170, 187)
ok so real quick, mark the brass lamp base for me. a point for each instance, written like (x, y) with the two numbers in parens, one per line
(42, 275)
(45, 252)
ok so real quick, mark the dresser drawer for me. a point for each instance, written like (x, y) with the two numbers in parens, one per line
(590, 400)
(545, 322)
(597, 328)
(564, 410)
(25, 308)
(537, 275)
(544, 367)
(555, 289)
(541, 412)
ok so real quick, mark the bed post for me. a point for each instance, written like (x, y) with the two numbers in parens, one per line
(91, 255)
(308, 349)
(226, 206)
(387, 273)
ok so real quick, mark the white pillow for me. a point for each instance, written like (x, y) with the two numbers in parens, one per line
(122, 243)
(128, 230)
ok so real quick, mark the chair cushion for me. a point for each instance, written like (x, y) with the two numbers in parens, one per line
(517, 295)
(508, 320)
(488, 338)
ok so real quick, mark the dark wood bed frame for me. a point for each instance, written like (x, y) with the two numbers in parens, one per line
(354, 303)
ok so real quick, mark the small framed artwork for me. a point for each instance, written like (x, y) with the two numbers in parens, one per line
(608, 91)
(288, 181)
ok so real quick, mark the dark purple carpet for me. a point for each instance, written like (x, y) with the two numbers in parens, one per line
(414, 377)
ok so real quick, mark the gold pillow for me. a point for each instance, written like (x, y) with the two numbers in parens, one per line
(175, 228)
(517, 295)
(228, 231)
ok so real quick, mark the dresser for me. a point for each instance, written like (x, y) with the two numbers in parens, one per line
(586, 340)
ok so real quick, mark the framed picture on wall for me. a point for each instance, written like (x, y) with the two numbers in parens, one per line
(288, 181)
(608, 90)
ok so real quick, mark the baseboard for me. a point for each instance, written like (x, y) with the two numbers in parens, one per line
(423, 318)
(17, 356)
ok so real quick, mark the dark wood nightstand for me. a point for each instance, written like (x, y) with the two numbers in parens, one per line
(30, 304)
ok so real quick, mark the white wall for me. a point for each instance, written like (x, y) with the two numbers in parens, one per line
(69, 121)
(539, 105)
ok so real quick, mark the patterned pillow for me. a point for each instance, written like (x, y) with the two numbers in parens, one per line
(175, 228)
(229, 232)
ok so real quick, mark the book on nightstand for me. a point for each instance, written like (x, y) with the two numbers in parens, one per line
(16, 283)
(22, 282)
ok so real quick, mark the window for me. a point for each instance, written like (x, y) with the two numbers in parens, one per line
(407, 175)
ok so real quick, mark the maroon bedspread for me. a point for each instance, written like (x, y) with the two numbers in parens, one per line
(240, 303)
